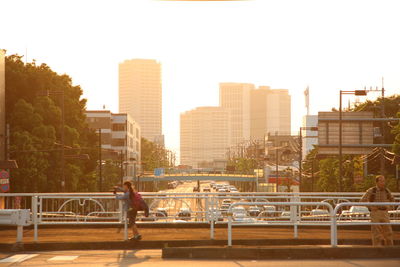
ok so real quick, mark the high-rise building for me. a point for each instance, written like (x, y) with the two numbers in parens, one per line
(204, 135)
(236, 98)
(119, 134)
(2, 105)
(140, 95)
(270, 112)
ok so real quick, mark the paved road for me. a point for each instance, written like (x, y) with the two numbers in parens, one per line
(152, 258)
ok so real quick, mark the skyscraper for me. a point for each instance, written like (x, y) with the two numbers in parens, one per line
(140, 95)
(270, 112)
(236, 98)
(205, 135)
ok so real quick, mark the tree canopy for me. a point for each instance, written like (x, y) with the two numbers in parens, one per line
(35, 129)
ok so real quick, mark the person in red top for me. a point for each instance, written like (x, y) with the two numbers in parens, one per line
(127, 197)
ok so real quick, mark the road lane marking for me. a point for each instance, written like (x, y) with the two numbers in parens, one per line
(63, 258)
(18, 258)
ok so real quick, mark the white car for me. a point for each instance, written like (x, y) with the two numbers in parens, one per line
(355, 213)
(226, 201)
(285, 215)
(394, 214)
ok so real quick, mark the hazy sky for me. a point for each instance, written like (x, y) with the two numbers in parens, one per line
(328, 45)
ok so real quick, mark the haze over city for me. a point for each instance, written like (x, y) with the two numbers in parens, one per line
(282, 44)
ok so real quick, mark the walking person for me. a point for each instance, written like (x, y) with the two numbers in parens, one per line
(381, 234)
(129, 208)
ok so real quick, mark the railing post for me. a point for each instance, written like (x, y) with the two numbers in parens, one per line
(230, 227)
(333, 229)
(20, 233)
(294, 209)
(211, 211)
(125, 215)
(35, 217)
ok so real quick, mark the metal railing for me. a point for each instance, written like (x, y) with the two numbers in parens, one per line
(335, 220)
(294, 216)
(205, 208)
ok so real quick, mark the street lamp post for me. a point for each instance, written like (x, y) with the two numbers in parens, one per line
(301, 152)
(100, 164)
(357, 93)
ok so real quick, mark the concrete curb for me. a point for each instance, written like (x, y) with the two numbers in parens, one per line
(159, 244)
(307, 252)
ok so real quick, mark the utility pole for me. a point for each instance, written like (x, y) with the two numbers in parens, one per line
(300, 159)
(100, 164)
(383, 171)
(277, 161)
(122, 167)
(62, 142)
(312, 175)
(340, 144)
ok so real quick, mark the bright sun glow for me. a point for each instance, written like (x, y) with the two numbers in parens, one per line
(327, 46)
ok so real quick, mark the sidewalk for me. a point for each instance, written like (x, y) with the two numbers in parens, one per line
(66, 234)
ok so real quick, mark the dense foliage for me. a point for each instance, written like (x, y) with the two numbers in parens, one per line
(35, 130)
(322, 174)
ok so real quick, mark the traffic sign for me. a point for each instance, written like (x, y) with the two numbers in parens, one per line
(4, 181)
(4, 174)
(159, 172)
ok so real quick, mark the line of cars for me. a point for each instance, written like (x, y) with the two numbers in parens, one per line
(184, 214)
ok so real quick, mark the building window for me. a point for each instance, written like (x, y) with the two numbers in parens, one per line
(118, 142)
(137, 133)
(118, 127)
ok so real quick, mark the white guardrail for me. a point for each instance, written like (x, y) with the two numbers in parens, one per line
(311, 208)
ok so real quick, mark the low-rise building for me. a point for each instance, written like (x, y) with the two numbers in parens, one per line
(119, 134)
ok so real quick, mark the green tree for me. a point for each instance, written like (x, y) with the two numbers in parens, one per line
(153, 155)
(35, 129)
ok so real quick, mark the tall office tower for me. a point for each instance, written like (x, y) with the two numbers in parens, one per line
(2, 105)
(279, 111)
(204, 135)
(236, 98)
(270, 112)
(258, 113)
(140, 95)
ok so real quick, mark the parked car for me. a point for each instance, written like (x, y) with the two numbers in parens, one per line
(226, 201)
(217, 214)
(242, 217)
(285, 215)
(355, 213)
(224, 208)
(395, 214)
(254, 211)
(161, 212)
(184, 214)
(206, 189)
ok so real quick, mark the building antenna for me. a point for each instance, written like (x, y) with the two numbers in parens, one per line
(26, 55)
(307, 99)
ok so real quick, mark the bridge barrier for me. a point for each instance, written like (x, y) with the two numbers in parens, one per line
(294, 218)
(334, 242)
(104, 209)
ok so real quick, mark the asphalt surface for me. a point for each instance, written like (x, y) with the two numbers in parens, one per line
(151, 258)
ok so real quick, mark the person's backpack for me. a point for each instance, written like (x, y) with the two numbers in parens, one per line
(139, 204)
(373, 195)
